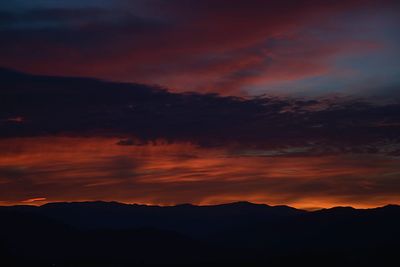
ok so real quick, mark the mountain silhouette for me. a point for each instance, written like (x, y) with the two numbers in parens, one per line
(242, 234)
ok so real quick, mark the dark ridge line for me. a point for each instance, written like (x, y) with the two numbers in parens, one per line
(228, 204)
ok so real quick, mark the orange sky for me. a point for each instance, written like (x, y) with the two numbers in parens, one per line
(47, 169)
(276, 102)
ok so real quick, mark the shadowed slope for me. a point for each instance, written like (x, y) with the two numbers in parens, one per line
(104, 233)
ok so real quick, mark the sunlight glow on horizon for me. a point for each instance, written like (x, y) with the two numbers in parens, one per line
(52, 169)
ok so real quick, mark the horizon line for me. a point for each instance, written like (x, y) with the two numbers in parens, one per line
(32, 204)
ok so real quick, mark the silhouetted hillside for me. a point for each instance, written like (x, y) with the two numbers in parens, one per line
(114, 234)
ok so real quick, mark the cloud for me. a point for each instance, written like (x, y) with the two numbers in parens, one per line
(145, 114)
(86, 139)
(214, 46)
(75, 138)
(34, 200)
(71, 169)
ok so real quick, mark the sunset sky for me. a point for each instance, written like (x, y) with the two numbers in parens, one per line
(166, 102)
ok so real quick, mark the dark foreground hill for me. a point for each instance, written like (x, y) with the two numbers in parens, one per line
(238, 234)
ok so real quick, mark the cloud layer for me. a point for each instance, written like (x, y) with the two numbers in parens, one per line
(40, 105)
(280, 102)
(75, 169)
(85, 139)
(229, 47)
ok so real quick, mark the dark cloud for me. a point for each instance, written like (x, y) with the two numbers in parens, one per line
(80, 106)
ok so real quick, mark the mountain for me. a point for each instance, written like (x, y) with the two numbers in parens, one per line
(242, 233)
(195, 221)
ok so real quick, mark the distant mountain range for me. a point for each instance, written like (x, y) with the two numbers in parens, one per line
(242, 233)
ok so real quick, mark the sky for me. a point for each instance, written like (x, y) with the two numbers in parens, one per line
(166, 174)
(205, 102)
(246, 48)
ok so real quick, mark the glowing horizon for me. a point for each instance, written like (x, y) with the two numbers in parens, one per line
(53, 169)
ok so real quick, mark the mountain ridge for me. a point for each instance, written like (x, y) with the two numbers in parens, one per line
(228, 204)
(237, 234)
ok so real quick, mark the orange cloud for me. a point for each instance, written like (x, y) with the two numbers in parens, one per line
(74, 169)
(31, 200)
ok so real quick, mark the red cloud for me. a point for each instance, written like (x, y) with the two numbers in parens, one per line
(188, 45)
